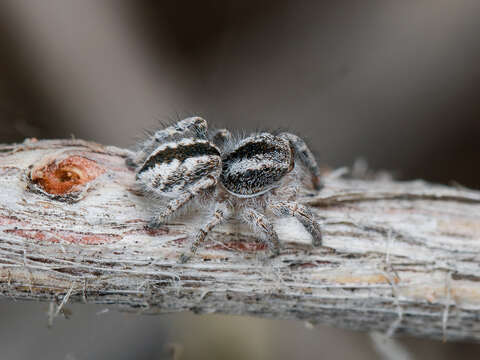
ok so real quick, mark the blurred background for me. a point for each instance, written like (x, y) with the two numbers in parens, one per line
(392, 82)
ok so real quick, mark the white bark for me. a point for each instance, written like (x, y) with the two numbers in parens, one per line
(399, 257)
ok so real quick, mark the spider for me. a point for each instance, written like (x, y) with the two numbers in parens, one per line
(244, 177)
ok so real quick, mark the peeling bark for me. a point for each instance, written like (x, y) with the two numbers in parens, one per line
(398, 257)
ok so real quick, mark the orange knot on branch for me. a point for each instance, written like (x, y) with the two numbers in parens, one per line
(65, 176)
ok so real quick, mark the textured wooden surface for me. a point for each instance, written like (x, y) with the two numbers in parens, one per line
(399, 257)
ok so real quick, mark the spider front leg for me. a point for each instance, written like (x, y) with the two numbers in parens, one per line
(220, 215)
(169, 210)
(303, 214)
(260, 223)
(306, 157)
(175, 204)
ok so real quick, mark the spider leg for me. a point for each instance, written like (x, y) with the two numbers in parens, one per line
(306, 157)
(175, 204)
(260, 223)
(303, 214)
(220, 215)
(220, 136)
(170, 209)
(189, 127)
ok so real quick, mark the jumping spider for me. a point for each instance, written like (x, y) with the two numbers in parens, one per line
(244, 178)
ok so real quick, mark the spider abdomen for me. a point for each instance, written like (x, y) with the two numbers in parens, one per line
(176, 167)
(256, 165)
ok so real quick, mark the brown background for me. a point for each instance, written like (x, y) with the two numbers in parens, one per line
(393, 82)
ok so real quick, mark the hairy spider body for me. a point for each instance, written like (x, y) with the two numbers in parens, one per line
(244, 178)
(178, 167)
(256, 165)
(193, 127)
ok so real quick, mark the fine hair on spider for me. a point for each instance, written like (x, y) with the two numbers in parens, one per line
(244, 177)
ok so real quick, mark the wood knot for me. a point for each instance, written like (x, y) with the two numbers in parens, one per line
(64, 177)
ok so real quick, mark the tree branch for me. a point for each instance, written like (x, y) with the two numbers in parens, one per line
(399, 257)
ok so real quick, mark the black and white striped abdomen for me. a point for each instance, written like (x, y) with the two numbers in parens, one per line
(256, 165)
(176, 167)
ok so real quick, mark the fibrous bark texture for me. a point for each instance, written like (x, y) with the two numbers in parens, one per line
(398, 257)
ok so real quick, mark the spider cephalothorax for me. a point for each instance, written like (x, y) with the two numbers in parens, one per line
(184, 161)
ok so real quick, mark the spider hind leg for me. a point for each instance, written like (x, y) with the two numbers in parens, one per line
(305, 155)
(260, 223)
(303, 214)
